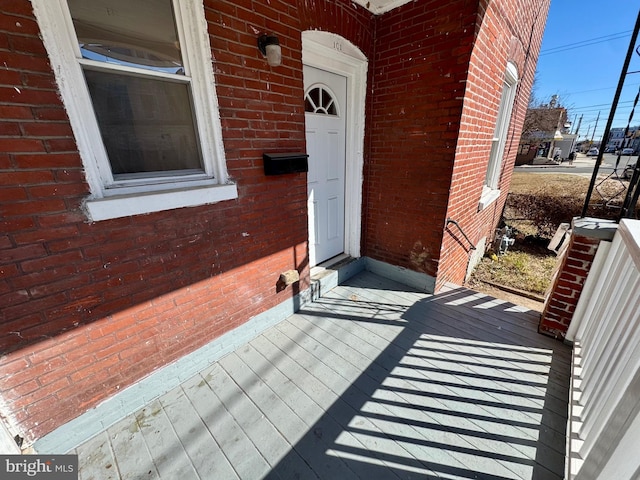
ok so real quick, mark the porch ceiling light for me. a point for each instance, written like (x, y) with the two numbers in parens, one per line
(269, 46)
(557, 135)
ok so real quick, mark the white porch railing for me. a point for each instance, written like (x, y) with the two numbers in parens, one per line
(604, 415)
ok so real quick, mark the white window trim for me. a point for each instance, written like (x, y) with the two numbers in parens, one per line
(490, 191)
(489, 195)
(58, 35)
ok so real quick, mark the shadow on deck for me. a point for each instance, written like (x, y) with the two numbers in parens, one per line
(372, 381)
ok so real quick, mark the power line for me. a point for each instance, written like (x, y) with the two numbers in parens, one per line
(586, 109)
(600, 89)
(585, 43)
(617, 116)
(598, 105)
(570, 94)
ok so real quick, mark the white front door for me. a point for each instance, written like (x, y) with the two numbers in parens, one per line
(325, 114)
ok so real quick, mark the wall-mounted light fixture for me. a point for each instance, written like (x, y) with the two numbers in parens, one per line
(269, 46)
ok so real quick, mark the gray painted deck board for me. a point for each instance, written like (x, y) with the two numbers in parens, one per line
(208, 399)
(99, 459)
(412, 398)
(373, 381)
(165, 447)
(208, 459)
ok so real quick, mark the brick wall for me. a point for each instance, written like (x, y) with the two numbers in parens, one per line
(508, 31)
(571, 274)
(420, 65)
(567, 286)
(90, 308)
(439, 68)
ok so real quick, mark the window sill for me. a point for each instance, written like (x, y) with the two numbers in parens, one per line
(489, 195)
(138, 204)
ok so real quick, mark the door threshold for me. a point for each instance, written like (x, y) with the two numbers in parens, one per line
(333, 263)
(333, 272)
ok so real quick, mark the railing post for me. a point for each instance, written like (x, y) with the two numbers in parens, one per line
(571, 273)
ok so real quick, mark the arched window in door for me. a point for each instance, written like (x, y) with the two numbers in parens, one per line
(320, 100)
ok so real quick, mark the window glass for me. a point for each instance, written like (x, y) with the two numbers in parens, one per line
(146, 120)
(319, 100)
(136, 33)
(502, 126)
(314, 98)
(146, 124)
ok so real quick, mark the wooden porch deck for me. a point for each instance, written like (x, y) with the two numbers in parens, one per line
(373, 381)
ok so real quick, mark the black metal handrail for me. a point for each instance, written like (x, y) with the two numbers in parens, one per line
(451, 220)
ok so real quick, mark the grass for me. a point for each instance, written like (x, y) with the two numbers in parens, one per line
(522, 270)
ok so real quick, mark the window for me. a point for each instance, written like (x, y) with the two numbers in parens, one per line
(136, 78)
(320, 100)
(490, 191)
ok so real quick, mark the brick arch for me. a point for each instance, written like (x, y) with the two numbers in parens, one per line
(348, 20)
(517, 54)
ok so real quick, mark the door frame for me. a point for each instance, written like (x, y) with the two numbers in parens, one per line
(335, 54)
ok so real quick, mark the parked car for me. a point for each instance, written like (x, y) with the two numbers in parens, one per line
(627, 173)
(592, 152)
(627, 151)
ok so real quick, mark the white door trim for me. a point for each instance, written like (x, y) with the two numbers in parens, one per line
(335, 54)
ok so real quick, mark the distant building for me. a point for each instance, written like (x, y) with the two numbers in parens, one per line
(540, 126)
(616, 138)
(634, 140)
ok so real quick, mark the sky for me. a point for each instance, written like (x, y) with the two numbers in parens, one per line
(583, 51)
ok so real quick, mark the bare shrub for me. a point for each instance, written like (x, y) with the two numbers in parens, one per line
(538, 204)
(539, 214)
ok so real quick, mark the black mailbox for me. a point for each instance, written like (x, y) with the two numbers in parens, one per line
(281, 163)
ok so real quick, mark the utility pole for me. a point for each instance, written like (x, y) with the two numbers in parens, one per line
(575, 139)
(587, 135)
(593, 134)
(578, 127)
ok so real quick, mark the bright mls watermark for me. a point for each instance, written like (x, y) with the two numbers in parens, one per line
(37, 467)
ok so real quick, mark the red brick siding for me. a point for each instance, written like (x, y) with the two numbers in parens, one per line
(437, 80)
(90, 308)
(508, 31)
(420, 64)
(567, 286)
